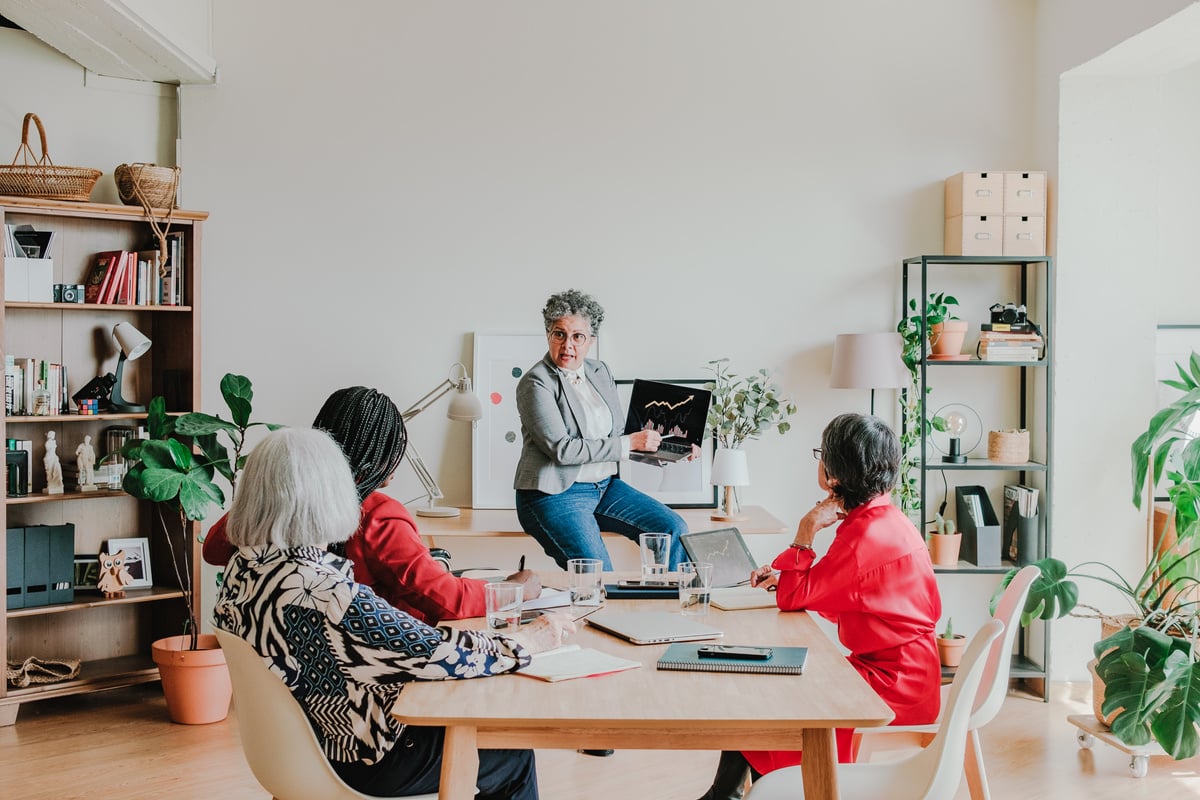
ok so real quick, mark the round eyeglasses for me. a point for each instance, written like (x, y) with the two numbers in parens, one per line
(577, 338)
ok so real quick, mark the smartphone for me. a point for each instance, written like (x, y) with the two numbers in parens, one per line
(530, 616)
(734, 651)
(639, 584)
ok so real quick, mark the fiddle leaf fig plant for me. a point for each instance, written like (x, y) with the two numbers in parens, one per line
(166, 470)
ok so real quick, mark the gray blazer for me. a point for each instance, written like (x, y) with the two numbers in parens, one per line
(553, 448)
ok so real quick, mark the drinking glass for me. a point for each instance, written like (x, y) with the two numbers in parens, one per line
(656, 554)
(585, 579)
(695, 587)
(503, 605)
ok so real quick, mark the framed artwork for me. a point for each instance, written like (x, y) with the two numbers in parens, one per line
(137, 560)
(87, 572)
(684, 484)
(500, 361)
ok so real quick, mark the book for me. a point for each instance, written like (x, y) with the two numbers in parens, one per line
(783, 661)
(572, 661)
(738, 598)
(98, 277)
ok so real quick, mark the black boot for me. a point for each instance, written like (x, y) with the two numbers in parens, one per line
(730, 781)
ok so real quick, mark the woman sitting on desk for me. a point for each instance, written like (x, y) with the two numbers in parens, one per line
(344, 653)
(387, 550)
(875, 582)
(571, 422)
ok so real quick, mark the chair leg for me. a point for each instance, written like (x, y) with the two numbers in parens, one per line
(977, 784)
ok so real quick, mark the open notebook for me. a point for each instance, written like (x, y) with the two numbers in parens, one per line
(572, 661)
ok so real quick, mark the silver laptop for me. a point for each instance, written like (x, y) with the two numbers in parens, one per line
(726, 550)
(651, 627)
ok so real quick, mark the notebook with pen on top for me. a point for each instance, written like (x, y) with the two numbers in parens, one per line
(676, 412)
(781, 661)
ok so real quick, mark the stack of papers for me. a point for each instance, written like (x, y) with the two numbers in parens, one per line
(572, 661)
(549, 598)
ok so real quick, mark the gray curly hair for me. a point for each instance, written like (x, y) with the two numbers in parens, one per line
(573, 303)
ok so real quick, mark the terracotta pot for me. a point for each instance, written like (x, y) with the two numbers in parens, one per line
(946, 338)
(1098, 697)
(950, 650)
(196, 682)
(943, 548)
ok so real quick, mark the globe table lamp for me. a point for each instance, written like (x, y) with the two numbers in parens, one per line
(134, 345)
(464, 407)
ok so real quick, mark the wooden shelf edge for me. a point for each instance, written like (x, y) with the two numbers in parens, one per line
(93, 306)
(109, 673)
(88, 601)
(64, 497)
(71, 208)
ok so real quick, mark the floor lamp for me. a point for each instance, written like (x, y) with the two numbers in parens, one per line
(464, 407)
(868, 361)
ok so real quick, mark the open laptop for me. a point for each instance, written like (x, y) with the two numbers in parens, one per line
(677, 412)
(651, 627)
(726, 550)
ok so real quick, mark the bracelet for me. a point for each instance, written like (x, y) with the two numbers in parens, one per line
(799, 546)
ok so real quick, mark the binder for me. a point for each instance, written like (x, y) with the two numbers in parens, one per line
(62, 563)
(14, 584)
(37, 566)
(783, 661)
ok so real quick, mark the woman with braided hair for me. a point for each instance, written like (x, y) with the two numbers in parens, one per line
(387, 550)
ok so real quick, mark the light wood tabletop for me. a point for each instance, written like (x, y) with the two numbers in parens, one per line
(648, 709)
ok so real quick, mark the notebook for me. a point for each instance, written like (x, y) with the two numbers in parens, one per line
(726, 550)
(652, 627)
(677, 412)
(572, 661)
(783, 661)
(740, 598)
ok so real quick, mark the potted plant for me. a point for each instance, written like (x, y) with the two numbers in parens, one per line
(944, 542)
(741, 409)
(950, 645)
(166, 470)
(1148, 665)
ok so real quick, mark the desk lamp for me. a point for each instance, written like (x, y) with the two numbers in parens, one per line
(868, 361)
(134, 345)
(464, 407)
(729, 471)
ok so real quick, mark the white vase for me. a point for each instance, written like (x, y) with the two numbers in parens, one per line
(729, 470)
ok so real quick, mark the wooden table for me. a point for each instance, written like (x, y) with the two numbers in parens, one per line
(645, 709)
(503, 522)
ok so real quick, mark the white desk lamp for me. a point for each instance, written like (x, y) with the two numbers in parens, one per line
(464, 407)
(134, 345)
(729, 471)
(868, 361)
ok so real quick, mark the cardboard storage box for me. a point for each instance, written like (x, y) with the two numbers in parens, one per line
(974, 236)
(980, 542)
(1025, 193)
(29, 280)
(1024, 235)
(974, 193)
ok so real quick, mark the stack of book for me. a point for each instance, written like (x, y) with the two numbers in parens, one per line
(1009, 346)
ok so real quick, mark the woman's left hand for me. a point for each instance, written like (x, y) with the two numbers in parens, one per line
(695, 453)
(546, 632)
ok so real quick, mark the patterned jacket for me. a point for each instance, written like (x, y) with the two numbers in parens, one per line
(344, 653)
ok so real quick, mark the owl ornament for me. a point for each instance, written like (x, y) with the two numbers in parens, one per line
(113, 575)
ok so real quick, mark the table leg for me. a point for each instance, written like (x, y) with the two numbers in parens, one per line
(819, 768)
(460, 763)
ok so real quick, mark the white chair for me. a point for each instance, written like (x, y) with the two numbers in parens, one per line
(931, 774)
(277, 738)
(988, 700)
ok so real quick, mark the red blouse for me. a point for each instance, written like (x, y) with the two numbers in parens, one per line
(390, 557)
(877, 584)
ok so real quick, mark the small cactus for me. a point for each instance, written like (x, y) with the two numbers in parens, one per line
(949, 632)
(944, 526)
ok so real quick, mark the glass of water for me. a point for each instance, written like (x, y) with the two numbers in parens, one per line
(585, 579)
(656, 554)
(695, 587)
(503, 605)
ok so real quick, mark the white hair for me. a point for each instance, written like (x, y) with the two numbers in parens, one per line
(296, 490)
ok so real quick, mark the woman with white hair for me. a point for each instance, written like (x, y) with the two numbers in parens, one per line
(344, 652)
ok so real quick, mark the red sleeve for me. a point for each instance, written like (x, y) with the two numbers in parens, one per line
(390, 557)
(825, 586)
(217, 549)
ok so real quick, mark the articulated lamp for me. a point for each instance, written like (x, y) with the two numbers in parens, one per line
(134, 345)
(464, 407)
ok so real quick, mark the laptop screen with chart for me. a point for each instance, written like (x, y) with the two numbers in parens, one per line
(726, 550)
(676, 412)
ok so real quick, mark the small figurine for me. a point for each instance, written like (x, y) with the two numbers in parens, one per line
(54, 476)
(85, 461)
(114, 577)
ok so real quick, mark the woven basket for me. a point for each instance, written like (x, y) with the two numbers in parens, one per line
(147, 185)
(1008, 447)
(39, 177)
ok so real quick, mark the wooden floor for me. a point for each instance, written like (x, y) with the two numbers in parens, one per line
(119, 746)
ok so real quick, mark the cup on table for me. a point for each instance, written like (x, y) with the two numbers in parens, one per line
(695, 587)
(585, 580)
(656, 554)
(503, 605)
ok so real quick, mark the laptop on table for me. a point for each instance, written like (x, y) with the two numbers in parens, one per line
(676, 412)
(651, 627)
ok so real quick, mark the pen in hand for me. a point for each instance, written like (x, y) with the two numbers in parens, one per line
(521, 564)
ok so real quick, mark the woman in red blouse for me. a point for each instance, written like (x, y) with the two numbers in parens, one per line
(387, 550)
(875, 582)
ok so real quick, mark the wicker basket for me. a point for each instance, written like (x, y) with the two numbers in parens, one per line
(39, 177)
(147, 185)
(1008, 447)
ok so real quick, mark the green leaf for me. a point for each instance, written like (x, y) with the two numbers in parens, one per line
(197, 492)
(1127, 682)
(1174, 727)
(198, 424)
(1051, 595)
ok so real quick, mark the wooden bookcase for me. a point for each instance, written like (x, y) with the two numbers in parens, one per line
(110, 636)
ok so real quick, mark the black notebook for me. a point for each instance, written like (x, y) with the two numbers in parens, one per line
(783, 661)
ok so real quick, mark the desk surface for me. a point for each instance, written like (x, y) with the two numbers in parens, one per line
(503, 522)
(650, 709)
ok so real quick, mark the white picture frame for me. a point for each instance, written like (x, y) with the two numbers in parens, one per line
(684, 484)
(137, 560)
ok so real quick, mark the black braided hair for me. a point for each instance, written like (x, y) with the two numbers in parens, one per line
(370, 430)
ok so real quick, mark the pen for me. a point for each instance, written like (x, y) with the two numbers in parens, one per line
(521, 564)
(773, 573)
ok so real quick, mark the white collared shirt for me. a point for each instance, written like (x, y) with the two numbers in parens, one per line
(597, 424)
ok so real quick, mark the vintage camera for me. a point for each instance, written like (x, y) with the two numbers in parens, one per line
(71, 293)
(1008, 314)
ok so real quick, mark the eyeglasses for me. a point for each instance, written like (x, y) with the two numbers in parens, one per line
(576, 338)
(817, 453)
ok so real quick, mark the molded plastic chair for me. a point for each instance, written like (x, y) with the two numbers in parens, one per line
(931, 774)
(988, 701)
(277, 738)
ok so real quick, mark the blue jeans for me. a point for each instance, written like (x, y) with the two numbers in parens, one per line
(568, 524)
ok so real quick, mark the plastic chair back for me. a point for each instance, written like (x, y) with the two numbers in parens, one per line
(994, 687)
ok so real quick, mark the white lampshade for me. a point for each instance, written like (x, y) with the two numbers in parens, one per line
(132, 341)
(730, 468)
(465, 405)
(868, 361)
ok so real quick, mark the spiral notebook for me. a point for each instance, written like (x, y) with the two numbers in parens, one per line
(783, 661)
